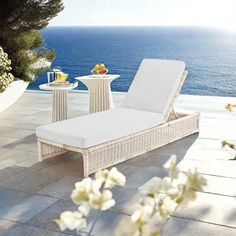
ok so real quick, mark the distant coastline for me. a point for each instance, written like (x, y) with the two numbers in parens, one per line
(210, 54)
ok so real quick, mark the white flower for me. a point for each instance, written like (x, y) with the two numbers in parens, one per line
(149, 229)
(155, 186)
(145, 210)
(143, 222)
(196, 181)
(5, 77)
(111, 178)
(178, 188)
(84, 209)
(127, 228)
(173, 187)
(167, 206)
(82, 190)
(171, 167)
(143, 214)
(102, 201)
(71, 220)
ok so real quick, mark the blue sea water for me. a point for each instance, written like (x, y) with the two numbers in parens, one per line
(210, 54)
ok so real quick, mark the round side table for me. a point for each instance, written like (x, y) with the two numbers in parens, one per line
(59, 100)
(100, 97)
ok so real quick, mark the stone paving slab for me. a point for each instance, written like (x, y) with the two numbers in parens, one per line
(220, 185)
(217, 133)
(148, 160)
(17, 124)
(14, 133)
(204, 143)
(137, 176)
(9, 171)
(28, 182)
(61, 188)
(25, 230)
(218, 123)
(148, 185)
(211, 208)
(67, 164)
(29, 161)
(219, 168)
(54, 179)
(106, 224)
(27, 143)
(7, 226)
(27, 209)
(184, 227)
(215, 185)
(127, 199)
(15, 157)
(9, 199)
(45, 219)
(36, 166)
(210, 155)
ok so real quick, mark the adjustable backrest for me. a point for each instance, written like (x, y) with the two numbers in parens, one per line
(155, 86)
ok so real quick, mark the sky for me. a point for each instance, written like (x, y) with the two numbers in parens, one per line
(209, 13)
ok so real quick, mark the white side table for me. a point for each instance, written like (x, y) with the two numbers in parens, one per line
(59, 100)
(100, 97)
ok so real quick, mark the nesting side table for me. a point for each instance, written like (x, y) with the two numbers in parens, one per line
(59, 100)
(100, 97)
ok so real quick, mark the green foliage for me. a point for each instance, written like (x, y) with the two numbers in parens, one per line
(24, 15)
(24, 50)
(20, 21)
(5, 67)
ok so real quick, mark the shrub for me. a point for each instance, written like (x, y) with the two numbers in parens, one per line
(5, 67)
(24, 50)
(20, 21)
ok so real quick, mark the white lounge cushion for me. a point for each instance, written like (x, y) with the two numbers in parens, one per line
(90, 130)
(155, 85)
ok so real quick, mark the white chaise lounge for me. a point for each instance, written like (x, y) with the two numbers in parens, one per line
(145, 121)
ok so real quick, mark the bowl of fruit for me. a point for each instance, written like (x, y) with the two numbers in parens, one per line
(99, 70)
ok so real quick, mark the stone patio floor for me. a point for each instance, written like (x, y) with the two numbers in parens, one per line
(32, 194)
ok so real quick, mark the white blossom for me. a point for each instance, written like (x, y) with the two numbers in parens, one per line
(83, 188)
(171, 167)
(101, 200)
(84, 209)
(111, 178)
(5, 67)
(142, 214)
(162, 200)
(71, 220)
(167, 206)
(196, 181)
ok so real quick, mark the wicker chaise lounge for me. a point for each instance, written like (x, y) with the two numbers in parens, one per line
(145, 121)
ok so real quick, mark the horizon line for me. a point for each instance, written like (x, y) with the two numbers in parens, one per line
(162, 26)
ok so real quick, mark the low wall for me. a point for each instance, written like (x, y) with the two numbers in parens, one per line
(12, 94)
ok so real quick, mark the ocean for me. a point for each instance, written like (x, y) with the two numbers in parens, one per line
(210, 54)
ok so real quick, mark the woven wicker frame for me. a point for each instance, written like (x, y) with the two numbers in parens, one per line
(110, 153)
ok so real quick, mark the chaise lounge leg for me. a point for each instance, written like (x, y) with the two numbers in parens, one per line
(40, 155)
(46, 151)
(85, 155)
